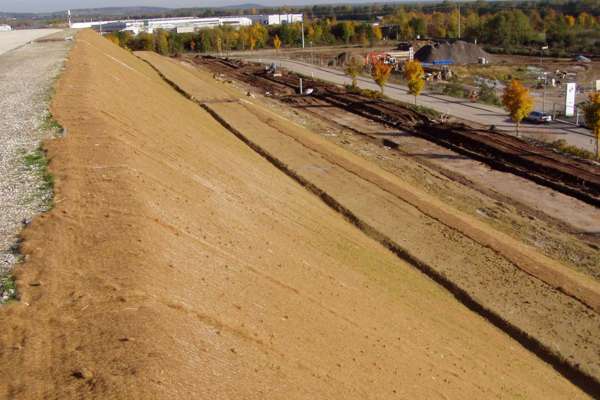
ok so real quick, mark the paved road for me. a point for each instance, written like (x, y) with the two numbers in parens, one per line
(464, 109)
(13, 39)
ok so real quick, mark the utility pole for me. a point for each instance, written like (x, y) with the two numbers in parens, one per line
(545, 75)
(458, 20)
(302, 31)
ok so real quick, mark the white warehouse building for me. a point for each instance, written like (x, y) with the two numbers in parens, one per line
(277, 19)
(170, 24)
(188, 24)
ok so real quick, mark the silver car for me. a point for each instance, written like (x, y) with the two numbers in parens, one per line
(538, 117)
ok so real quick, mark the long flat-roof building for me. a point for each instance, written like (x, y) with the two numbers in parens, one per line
(277, 19)
(171, 24)
(186, 24)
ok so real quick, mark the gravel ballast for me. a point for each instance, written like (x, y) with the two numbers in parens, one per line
(27, 75)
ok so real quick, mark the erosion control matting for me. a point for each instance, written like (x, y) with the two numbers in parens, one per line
(179, 263)
(416, 227)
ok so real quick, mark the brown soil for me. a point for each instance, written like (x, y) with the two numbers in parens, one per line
(178, 263)
(446, 241)
(544, 218)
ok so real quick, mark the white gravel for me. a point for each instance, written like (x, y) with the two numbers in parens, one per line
(27, 75)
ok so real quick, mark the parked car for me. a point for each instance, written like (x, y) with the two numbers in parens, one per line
(582, 59)
(539, 117)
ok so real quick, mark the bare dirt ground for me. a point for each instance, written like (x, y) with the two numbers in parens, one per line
(492, 274)
(561, 226)
(178, 263)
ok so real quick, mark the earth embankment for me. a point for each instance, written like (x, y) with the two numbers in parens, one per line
(179, 263)
(543, 303)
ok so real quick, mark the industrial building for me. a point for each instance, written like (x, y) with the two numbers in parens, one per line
(5, 28)
(276, 19)
(188, 24)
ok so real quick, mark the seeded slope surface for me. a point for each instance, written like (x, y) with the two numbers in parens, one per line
(179, 264)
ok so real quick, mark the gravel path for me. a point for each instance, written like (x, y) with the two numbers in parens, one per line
(13, 39)
(26, 78)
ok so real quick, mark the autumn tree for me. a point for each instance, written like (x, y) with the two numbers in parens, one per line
(277, 43)
(437, 29)
(414, 74)
(243, 38)
(377, 35)
(570, 20)
(452, 24)
(585, 20)
(230, 37)
(145, 42)
(161, 42)
(354, 67)
(517, 101)
(252, 40)
(257, 36)
(381, 73)
(114, 39)
(402, 20)
(260, 35)
(347, 31)
(418, 26)
(591, 111)
(472, 26)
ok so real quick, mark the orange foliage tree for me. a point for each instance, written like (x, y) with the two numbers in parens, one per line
(414, 74)
(381, 73)
(354, 67)
(277, 43)
(591, 111)
(517, 101)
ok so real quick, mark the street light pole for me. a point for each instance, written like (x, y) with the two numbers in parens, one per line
(545, 78)
(544, 93)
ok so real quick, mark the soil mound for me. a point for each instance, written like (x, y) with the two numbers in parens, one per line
(460, 52)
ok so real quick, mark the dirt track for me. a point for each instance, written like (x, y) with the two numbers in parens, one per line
(178, 263)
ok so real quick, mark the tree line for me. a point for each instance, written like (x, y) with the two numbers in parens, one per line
(522, 30)
(507, 29)
(226, 38)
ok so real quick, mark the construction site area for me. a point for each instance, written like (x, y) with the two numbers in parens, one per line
(222, 229)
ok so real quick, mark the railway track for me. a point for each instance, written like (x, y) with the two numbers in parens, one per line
(577, 178)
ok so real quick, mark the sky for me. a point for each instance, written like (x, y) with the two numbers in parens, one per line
(58, 5)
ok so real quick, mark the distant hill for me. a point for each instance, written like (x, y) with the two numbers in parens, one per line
(241, 7)
(89, 12)
(116, 11)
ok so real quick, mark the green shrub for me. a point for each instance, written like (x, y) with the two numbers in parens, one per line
(8, 289)
(455, 89)
(562, 146)
(488, 95)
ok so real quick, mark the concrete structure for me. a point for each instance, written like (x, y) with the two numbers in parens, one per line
(5, 28)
